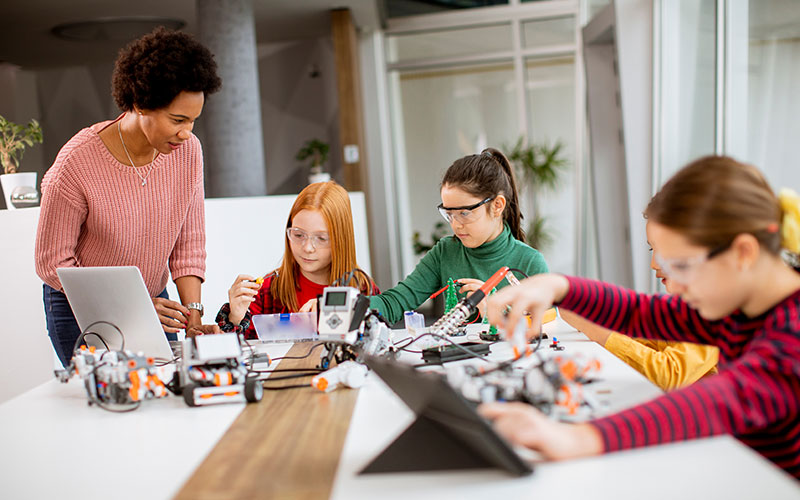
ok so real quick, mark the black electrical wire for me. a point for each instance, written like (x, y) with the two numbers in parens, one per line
(289, 377)
(286, 377)
(304, 356)
(366, 276)
(99, 337)
(114, 410)
(284, 387)
(279, 370)
(347, 276)
(410, 340)
(520, 271)
(102, 405)
(248, 364)
(338, 281)
(539, 341)
(164, 361)
(86, 332)
(510, 362)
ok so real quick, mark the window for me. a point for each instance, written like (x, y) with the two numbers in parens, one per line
(456, 89)
(763, 102)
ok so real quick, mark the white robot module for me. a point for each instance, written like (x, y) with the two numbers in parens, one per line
(212, 371)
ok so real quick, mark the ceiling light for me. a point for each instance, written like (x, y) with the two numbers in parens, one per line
(121, 29)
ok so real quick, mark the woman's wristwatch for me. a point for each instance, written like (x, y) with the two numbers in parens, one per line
(196, 306)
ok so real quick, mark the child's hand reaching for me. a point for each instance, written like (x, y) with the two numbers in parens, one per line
(240, 295)
(310, 306)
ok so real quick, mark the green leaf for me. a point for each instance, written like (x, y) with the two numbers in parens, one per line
(316, 150)
(13, 140)
(539, 168)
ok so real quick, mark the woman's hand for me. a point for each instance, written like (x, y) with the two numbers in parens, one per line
(469, 286)
(194, 331)
(240, 295)
(173, 315)
(532, 296)
(310, 306)
(523, 425)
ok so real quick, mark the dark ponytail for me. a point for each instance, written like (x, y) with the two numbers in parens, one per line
(488, 174)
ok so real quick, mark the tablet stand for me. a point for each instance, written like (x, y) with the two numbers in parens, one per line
(427, 445)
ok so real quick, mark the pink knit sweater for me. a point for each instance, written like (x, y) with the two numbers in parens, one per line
(95, 212)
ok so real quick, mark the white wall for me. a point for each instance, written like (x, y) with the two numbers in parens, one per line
(26, 357)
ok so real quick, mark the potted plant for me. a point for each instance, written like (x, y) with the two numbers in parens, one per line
(14, 138)
(539, 167)
(439, 231)
(318, 152)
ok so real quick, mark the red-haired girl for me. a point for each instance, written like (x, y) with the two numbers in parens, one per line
(320, 248)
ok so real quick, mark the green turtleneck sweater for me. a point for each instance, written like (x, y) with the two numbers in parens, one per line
(450, 259)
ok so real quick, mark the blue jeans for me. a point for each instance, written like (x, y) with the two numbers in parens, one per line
(62, 326)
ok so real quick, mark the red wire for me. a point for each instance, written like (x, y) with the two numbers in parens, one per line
(436, 294)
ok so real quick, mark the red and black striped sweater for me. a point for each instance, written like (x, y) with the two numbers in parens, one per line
(755, 396)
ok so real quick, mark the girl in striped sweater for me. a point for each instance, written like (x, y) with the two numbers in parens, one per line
(719, 232)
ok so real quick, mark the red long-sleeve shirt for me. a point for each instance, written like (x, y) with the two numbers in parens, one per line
(755, 396)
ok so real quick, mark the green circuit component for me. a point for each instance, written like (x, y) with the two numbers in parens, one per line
(450, 295)
(485, 320)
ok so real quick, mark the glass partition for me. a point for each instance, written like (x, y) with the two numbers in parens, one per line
(449, 43)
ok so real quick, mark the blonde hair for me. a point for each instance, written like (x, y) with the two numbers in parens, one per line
(332, 201)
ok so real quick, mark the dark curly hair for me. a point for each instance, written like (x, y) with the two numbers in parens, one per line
(151, 71)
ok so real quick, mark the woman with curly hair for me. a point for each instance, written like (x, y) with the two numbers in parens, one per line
(129, 191)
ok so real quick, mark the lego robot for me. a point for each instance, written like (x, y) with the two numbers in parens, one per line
(119, 378)
(212, 371)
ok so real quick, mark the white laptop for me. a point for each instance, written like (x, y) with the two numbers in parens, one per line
(117, 295)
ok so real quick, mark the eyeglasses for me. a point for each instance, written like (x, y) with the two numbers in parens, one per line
(462, 215)
(299, 237)
(683, 270)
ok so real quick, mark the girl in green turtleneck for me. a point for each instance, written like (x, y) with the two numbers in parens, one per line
(479, 200)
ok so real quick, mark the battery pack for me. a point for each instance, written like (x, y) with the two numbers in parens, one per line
(450, 352)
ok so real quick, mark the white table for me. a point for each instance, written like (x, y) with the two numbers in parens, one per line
(55, 446)
(719, 467)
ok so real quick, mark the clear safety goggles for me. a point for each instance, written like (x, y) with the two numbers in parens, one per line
(462, 215)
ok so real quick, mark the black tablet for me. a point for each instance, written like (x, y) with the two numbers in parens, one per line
(448, 434)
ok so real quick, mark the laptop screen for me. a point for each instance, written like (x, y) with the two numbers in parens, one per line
(115, 295)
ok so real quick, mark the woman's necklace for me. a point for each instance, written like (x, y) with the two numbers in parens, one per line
(135, 168)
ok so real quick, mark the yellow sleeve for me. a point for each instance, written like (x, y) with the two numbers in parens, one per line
(669, 365)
